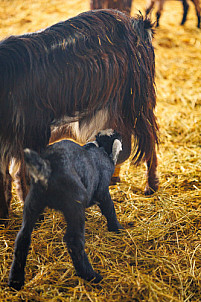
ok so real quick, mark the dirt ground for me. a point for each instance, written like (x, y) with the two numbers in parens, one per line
(158, 256)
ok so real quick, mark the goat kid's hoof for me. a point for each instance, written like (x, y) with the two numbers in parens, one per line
(97, 278)
(116, 229)
(17, 285)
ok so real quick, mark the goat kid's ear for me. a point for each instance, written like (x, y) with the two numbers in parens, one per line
(116, 149)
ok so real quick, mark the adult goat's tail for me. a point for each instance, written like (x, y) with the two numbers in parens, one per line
(140, 104)
(37, 167)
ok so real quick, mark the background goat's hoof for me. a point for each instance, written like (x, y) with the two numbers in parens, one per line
(15, 284)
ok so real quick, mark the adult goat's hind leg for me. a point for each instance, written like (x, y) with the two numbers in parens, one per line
(5, 196)
(152, 178)
(75, 240)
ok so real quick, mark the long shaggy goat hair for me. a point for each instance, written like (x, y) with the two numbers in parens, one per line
(99, 63)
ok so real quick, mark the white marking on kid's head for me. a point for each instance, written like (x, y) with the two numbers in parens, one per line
(116, 149)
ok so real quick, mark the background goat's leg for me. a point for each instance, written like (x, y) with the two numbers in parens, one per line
(185, 10)
(150, 6)
(198, 10)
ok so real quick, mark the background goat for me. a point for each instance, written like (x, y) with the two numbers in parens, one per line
(123, 5)
(91, 72)
(68, 178)
(160, 4)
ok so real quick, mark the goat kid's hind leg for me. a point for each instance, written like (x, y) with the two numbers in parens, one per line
(32, 209)
(107, 208)
(75, 240)
(152, 178)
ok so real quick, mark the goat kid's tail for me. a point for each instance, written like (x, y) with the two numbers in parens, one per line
(37, 167)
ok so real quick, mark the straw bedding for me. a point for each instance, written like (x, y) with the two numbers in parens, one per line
(158, 255)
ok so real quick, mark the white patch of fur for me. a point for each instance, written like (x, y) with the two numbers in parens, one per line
(88, 129)
(116, 149)
(106, 132)
(14, 167)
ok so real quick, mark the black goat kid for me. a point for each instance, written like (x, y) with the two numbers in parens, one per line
(69, 178)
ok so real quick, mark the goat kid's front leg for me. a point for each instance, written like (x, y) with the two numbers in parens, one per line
(107, 208)
(74, 238)
(30, 215)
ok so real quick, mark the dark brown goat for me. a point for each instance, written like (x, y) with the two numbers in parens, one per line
(122, 5)
(91, 72)
(160, 4)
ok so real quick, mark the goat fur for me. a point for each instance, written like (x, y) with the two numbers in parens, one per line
(69, 178)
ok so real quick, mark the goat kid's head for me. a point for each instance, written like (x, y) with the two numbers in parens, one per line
(111, 141)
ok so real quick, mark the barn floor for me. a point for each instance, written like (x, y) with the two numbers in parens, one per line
(158, 255)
